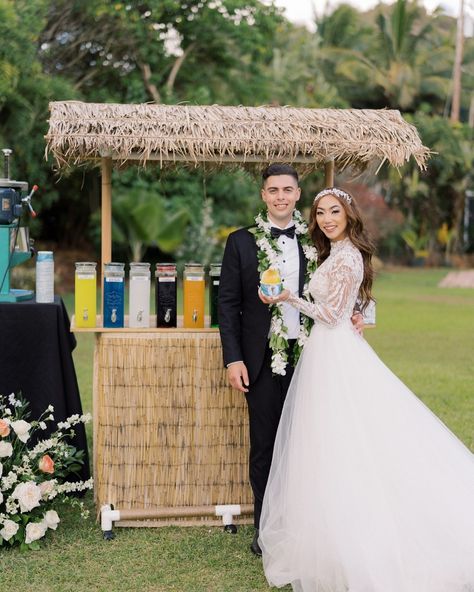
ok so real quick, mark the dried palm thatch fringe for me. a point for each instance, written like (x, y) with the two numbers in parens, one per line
(169, 432)
(223, 136)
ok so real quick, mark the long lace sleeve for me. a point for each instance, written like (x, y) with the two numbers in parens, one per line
(335, 300)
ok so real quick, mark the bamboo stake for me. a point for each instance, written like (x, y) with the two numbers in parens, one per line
(329, 173)
(193, 511)
(106, 217)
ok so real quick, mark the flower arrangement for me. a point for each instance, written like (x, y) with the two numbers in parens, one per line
(269, 256)
(33, 478)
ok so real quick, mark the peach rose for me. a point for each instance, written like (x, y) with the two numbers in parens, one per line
(46, 464)
(4, 428)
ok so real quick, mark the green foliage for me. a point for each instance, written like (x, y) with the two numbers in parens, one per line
(399, 61)
(415, 242)
(227, 52)
(295, 76)
(24, 94)
(210, 199)
(437, 196)
(141, 218)
(158, 50)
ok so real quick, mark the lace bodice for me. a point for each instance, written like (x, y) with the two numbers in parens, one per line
(334, 285)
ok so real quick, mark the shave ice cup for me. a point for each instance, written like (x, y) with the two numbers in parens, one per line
(270, 282)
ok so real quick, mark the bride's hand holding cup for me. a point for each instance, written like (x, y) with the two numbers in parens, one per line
(282, 297)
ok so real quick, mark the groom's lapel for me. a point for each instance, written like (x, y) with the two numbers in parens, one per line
(302, 269)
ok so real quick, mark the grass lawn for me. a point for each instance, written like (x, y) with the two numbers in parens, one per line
(425, 334)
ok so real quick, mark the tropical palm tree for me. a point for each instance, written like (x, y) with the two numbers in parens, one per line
(403, 61)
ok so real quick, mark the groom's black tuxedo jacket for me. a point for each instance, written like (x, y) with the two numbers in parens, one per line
(244, 320)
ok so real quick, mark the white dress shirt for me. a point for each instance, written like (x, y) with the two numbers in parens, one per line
(289, 266)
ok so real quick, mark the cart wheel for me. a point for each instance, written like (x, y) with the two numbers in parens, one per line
(109, 535)
(230, 528)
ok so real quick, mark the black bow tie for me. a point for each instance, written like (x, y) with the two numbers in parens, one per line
(277, 232)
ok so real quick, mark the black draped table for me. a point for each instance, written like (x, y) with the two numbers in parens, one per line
(36, 358)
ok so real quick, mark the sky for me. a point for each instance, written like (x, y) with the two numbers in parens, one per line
(301, 11)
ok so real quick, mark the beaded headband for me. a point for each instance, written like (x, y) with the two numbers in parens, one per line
(333, 191)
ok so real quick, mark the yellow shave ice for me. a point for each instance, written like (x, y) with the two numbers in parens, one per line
(270, 282)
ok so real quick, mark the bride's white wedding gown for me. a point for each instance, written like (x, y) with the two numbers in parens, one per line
(368, 491)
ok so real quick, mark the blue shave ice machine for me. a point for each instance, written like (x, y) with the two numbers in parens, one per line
(14, 241)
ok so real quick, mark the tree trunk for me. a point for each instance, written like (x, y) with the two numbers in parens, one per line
(176, 67)
(456, 102)
(150, 87)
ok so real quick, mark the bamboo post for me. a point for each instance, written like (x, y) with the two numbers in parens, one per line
(106, 216)
(329, 173)
(179, 512)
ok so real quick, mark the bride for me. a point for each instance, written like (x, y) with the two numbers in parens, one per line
(368, 490)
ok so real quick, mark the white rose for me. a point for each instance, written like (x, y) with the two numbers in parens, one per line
(9, 529)
(51, 519)
(21, 428)
(28, 495)
(34, 531)
(46, 487)
(6, 449)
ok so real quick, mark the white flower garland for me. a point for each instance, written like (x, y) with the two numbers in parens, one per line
(269, 256)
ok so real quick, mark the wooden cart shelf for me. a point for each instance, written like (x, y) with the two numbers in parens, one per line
(151, 329)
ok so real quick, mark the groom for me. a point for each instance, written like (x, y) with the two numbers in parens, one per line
(244, 322)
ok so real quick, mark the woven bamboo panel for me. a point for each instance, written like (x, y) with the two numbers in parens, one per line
(168, 431)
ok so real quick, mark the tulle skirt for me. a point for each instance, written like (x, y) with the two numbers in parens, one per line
(368, 491)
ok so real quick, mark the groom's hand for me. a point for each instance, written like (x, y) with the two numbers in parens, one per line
(282, 297)
(238, 376)
(358, 322)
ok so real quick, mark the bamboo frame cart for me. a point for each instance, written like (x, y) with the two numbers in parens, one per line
(170, 438)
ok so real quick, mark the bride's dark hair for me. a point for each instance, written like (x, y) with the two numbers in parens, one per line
(358, 236)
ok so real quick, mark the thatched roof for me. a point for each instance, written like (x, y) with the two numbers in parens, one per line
(80, 132)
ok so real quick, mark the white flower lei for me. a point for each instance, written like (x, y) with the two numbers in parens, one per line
(269, 256)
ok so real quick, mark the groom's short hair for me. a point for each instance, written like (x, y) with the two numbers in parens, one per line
(279, 169)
